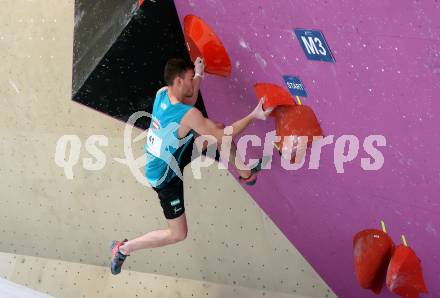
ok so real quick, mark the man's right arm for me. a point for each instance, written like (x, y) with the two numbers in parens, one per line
(201, 125)
(204, 126)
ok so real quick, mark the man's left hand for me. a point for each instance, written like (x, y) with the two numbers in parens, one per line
(199, 67)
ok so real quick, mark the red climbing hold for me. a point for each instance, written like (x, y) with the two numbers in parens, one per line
(274, 96)
(202, 42)
(404, 276)
(291, 120)
(372, 253)
(295, 121)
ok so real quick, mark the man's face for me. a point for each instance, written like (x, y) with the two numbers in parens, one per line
(185, 84)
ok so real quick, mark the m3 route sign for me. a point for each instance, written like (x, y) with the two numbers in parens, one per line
(314, 45)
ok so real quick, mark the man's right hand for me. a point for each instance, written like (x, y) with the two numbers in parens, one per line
(259, 112)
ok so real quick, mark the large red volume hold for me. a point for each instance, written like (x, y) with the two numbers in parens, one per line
(404, 276)
(291, 120)
(296, 121)
(372, 253)
(203, 42)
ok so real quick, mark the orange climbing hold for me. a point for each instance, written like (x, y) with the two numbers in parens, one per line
(404, 276)
(274, 96)
(293, 122)
(296, 121)
(372, 253)
(203, 42)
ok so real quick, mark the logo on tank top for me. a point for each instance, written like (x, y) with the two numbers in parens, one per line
(155, 124)
(163, 106)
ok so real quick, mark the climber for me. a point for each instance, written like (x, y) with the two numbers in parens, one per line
(174, 122)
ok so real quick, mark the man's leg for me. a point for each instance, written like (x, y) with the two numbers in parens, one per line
(237, 161)
(176, 231)
(173, 205)
(234, 157)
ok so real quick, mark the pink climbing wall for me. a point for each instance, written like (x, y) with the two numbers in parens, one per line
(385, 81)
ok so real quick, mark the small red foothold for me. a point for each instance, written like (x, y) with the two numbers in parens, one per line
(372, 253)
(404, 276)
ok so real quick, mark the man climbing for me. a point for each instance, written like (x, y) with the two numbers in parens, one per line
(174, 121)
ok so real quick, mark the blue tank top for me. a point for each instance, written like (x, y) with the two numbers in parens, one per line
(164, 148)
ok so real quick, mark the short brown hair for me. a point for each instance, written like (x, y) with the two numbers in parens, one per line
(176, 67)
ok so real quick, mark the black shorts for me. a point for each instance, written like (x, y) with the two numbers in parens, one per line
(171, 198)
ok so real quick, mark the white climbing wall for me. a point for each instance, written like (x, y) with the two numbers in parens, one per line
(13, 290)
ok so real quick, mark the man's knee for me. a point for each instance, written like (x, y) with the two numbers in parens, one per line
(178, 228)
(177, 236)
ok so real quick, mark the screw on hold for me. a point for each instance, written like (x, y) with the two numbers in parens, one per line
(383, 226)
(404, 240)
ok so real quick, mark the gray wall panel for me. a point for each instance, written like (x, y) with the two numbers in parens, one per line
(97, 26)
